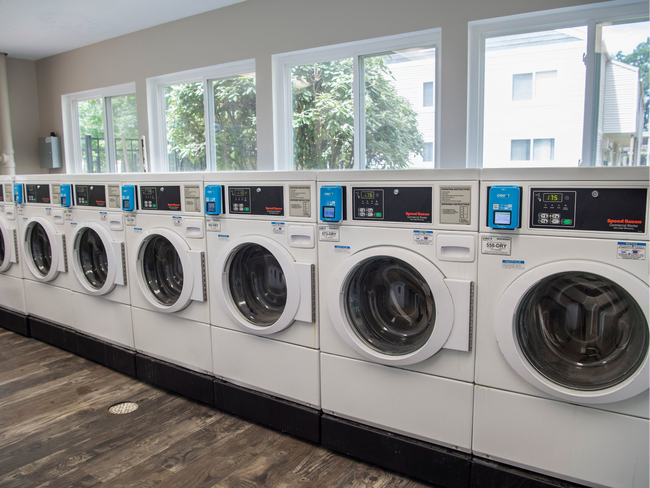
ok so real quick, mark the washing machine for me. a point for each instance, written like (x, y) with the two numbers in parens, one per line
(562, 370)
(166, 256)
(43, 245)
(263, 269)
(96, 237)
(398, 268)
(12, 295)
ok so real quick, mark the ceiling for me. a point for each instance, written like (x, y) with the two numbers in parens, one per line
(34, 29)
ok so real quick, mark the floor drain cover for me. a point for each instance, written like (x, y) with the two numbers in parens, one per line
(121, 408)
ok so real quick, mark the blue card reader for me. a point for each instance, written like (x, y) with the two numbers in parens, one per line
(331, 203)
(66, 195)
(18, 193)
(213, 199)
(128, 197)
(504, 204)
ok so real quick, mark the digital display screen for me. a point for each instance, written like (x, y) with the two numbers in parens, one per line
(367, 194)
(552, 197)
(237, 193)
(211, 206)
(125, 204)
(147, 191)
(502, 218)
(328, 212)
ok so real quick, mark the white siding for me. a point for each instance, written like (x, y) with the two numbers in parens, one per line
(621, 98)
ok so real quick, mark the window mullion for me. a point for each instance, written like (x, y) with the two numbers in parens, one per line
(76, 135)
(357, 91)
(208, 116)
(163, 159)
(109, 136)
(592, 81)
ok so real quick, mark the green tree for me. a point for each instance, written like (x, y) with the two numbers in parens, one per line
(640, 58)
(91, 123)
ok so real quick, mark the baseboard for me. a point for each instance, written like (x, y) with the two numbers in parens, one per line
(175, 378)
(115, 357)
(428, 462)
(283, 415)
(489, 474)
(52, 334)
(14, 321)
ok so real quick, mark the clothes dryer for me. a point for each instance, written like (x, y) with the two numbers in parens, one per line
(12, 293)
(562, 334)
(44, 246)
(263, 259)
(397, 254)
(96, 239)
(166, 249)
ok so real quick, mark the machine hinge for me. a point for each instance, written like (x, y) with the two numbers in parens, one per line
(16, 245)
(471, 314)
(205, 285)
(313, 293)
(65, 254)
(123, 262)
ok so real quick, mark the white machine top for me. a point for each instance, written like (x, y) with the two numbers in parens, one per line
(422, 175)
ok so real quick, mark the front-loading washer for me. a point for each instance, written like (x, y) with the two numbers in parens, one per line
(562, 334)
(263, 260)
(397, 258)
(43, 243)
(96, 237)
(166, 256)
(12, 294)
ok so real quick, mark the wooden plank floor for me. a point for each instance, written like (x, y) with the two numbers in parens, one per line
(56, 431)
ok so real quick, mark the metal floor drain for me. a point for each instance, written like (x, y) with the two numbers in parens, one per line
(122, 408)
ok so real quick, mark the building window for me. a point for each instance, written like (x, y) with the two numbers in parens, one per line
(101, 130)
(357, 105)
(427, 95)
(520, 150)
(427, 156)
(204, 119)
(580, 77)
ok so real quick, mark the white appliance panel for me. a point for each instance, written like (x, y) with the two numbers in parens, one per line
(98, 317)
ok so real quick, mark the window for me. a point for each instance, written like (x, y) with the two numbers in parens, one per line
(204, 119)
(520, 150)
(101, 130)
(359, 105)
(577, 77)
(427, 156)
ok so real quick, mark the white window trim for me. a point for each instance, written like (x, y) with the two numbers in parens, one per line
(589, 15)
(156, 107)
(282, 101)
(72, 135)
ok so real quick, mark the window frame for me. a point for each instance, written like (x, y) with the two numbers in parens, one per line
(72, 133)
(282, 89)
(156, 107)
(584, 15)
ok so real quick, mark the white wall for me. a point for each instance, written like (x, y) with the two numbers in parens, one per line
(260, 28)
(23, 105)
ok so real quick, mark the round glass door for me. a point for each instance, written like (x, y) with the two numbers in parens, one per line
(163, 270)
(390, 306)
(93, 258)
(257, 285)
(40, 249)
(582, 331)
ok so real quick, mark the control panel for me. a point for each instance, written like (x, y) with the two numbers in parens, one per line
(90, 195)
(553, 208)
(256, 200)
(504, 204)
(166, 198)
(7, 192)
(393, 204)
(331, 203)
(368, 204)
(213, 199)
(18, 193)
(128, 198)
(38, 193)
(66, 195)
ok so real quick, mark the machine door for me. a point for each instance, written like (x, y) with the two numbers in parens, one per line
(392, 305)
(577, 330)
(98, 259)
(44, 249)
(8, 243)
(169, 274)
(261, 287)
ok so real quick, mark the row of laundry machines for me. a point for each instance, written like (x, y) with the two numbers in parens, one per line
(461, 326)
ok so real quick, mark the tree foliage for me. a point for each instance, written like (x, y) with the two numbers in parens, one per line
(640, 58)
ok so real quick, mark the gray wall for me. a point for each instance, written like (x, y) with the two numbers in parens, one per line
(23, 105)
(260, 28)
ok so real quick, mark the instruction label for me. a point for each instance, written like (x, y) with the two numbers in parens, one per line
(192, 198)
(9, 193)
(342, 249)
(177, 220)
(423, 237)
(114, 196)
(277, 227)
(510, 264)
(327, 233)
(455, 204)
(130, 220)
(213, 225)
(67, 215)
(496, 245)
(223, 237)
(300, 201)
(56, 194)
(631, 250)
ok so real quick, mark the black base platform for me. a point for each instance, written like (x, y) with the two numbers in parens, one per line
(115, 357)
(434, 464)
(14, 321)
(488, 474)
(175, 378)
(285, 416)
(53, 334)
